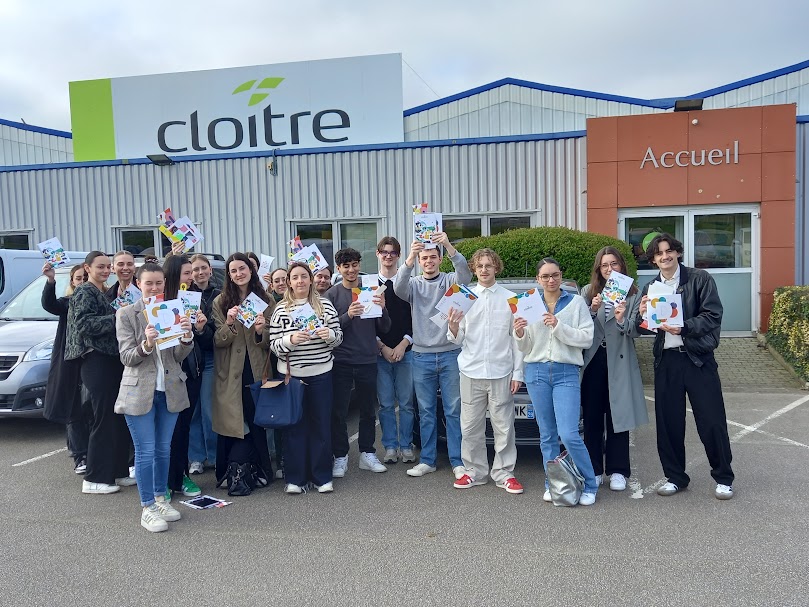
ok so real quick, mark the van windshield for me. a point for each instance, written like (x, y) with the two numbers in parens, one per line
(27, 304)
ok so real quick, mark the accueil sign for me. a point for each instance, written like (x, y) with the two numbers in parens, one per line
(310, 104)
(684, 158)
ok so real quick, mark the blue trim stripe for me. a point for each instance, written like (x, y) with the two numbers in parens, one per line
(303, 151)
(752, 80)
(36, 129)
(802, 119)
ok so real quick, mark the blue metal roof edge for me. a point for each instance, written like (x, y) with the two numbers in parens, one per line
(748, 81)
(305, 151)
(36, 129)
(802, 119)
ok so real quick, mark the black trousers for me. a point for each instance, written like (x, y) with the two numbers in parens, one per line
(362, 379)
(613, 456)
(675, 376)
(108, 446)
(78, 430)
(178, 460)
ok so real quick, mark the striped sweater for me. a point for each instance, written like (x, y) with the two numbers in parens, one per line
(309, 358)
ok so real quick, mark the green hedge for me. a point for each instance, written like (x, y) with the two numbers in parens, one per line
(522, 249)
(789, 327)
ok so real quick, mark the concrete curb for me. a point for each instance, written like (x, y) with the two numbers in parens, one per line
(762, 340)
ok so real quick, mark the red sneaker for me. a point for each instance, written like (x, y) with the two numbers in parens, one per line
(512, 485)
(466, 481)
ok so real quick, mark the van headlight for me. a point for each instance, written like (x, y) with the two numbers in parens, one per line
(39, 352)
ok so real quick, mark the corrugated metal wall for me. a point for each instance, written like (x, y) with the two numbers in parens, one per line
(512, 110)
(802, 207)
(789, 88)
(20, 147)
(241, 205)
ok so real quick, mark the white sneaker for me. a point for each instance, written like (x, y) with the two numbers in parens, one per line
(131, 471)
(326, 488)
(369, 461)
(195, 468)
(546, 497)
(279, 473)
(167, 512)
(617, 482)
(293, 489)
(587, 499)
(599, 479)
(723, 492)
(98, 488)
(338, 470)
(408, 456)
(126, 481)
(458, 471)
(420, 470)
(667, 489)
(391, 456)
(151, 520)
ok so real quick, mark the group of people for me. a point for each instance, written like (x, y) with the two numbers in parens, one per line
(189, 406)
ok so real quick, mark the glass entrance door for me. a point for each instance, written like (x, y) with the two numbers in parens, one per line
(722, 240)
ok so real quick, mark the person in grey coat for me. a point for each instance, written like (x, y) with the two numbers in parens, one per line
(611, 389)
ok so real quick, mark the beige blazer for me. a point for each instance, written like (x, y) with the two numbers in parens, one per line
(140, 369)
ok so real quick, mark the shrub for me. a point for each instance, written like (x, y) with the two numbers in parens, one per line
(522, 249)
(789, 327)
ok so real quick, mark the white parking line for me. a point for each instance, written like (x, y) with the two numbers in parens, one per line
(39, 457)
(745, 430)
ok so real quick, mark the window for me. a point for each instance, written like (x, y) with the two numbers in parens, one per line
(15, 241)
(722, 241)
(322, 235)
(637, 228)
(357, 235)
(458, 229)
(498, 225)
(143, 240)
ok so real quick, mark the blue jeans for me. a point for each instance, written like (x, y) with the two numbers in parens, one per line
(151, 434)
(431, 370)
(202, 439)
(555, 393)
(394, 384)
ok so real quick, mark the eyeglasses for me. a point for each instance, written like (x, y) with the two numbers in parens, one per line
(484, 267)
(388, 253)
(612, 264)
(548, 277)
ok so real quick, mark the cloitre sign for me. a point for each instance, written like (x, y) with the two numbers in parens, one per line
(309, 104)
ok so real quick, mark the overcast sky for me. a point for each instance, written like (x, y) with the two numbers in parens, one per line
(636, 48)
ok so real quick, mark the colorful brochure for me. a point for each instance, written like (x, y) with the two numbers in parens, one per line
(179, 230)
(127, 298)
(165, 316)
(249, 310)
(305, 319)
(311, 256)
(369, 280)
(617, 288)
(264, 268)
(53, 251)
(425, 224)
(459, 297)
(665, 309)
(365, 295)
(528, 305)
(191, 303)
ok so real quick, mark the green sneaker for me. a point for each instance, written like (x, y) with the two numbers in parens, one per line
(168, 494)
(190, 488)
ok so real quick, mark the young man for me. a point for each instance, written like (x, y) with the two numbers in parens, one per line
(323, 280)
(394, 381)
(354, 366)
(685, 364)
(435, 358)
(491, 373)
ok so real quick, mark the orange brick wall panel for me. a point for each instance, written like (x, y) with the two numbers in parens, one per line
(718, 129)
(778, 223)
(602, 139)
(660, 131)
(765, 302)
(778, 131)
(650, 187)
(603, 221)
(725, 183)
(777, 268)
(778, 173)
(602, 185)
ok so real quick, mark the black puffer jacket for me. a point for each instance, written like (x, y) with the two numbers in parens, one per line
(702, 312)
(193, 363)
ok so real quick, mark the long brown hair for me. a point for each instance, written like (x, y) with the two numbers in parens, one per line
(70, 288)
(313, 297)
(597, 281)
(230, 292)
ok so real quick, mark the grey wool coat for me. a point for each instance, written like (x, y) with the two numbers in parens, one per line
(627, 402)
(140, 369)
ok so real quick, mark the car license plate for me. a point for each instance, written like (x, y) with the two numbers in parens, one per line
(524, 411)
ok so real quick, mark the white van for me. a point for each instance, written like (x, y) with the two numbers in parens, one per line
(18, 268)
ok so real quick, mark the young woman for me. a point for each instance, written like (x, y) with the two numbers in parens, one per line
(553, 356)
(278, 284)
(307, 444)
(91, 338)
(202, 438)
(253, 259)
(242, 457)
(151, 396)
(611, 384)
(178, 273)
(63, 398)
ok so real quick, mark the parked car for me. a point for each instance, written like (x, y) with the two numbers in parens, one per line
(27, 332)
(19, 267)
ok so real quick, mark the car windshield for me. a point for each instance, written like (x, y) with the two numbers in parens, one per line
(27, 304)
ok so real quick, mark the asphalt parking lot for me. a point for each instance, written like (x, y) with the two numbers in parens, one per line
(388, 539)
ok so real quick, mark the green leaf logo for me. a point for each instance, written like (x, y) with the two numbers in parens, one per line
(257, 96)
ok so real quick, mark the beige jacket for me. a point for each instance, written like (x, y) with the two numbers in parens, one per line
(140, 369)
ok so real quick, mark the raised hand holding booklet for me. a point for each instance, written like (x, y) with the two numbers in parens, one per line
(617, 287)
(425, 224)
(311, 256)
(528, 305)
(249, 310)
(264, 268)
(179, 230)
(53, 251)
(459, 297)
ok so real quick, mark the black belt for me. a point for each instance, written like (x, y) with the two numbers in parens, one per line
(680, 349)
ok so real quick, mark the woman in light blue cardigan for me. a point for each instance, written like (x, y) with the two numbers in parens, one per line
(553, 357)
